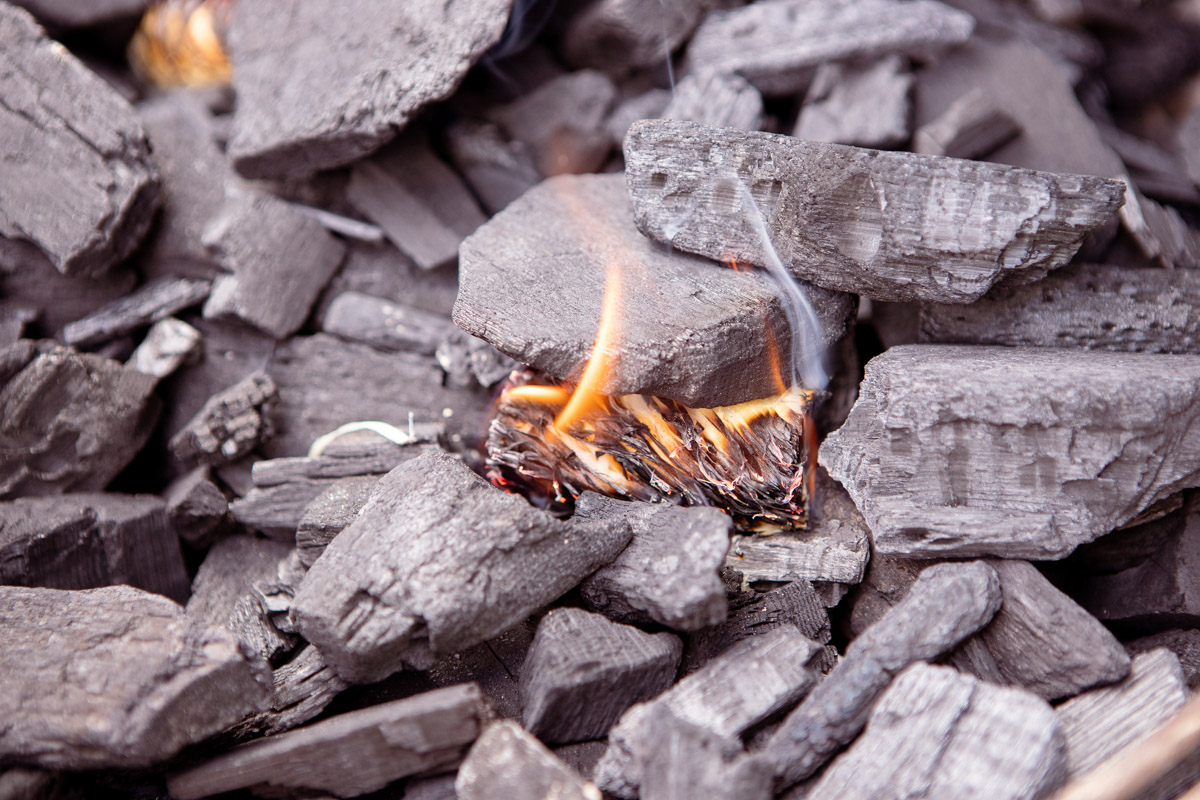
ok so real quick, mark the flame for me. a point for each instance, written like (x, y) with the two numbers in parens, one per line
(182, 43)
(586, 398)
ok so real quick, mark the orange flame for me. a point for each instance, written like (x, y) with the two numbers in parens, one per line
(587, 397)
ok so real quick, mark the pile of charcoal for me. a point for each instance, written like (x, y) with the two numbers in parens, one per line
(255, 537)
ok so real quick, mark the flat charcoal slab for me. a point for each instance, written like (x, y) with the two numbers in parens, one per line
(583, 670)
(310, 103)
(691, 330)
(891, 226)
(1014, 452)
(350, 754)
(669, 572)
(1087, 306)
(439, 560)
(129, 682)
(78, 178)
(938, 734)
(508, 762)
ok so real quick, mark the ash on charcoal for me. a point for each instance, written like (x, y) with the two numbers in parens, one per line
(669, 572)
(751, 681)
(498, 170)
(384, 324)
(439, 560)
(948, 603)
(508, 762)
(890, 226)
(168, 345)
(713, 98)
(776, 45)
(583, 670)
(865, 105)
(145, 306)
(330, 513)
(78, 178)
(420, 202)
(29, 284)
(143, 681)
(307, 103)
(83, 541)
(690, 330)
(70, 421)
(197, 507)
(231, 424)
(350, 754)
(941, 734)
(1183, 643)
(618, 36)
(470, 361)
(1016, 452)
(971, 127)
(685, 761)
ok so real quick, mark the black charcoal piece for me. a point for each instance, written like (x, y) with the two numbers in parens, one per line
(497, 169)
(1014, 452)
(1184, 643)
(971, 127)
(508, 762)
(939, 734)
(691, 330)
(948, 603)
(470, 361)
(385, 324)
(71, 422)
(350, 754)
(303, 687)
(231, 424)
(866, 106)
(683, 761)
(168, 345)
(127, 683)
(78, 178)
(495, 665)
(308, 103)
(437, 561)
(583, 670)
(330, 513)
(621, 35)
(714, 98)
(197, 507)
(149, 304)
(890, 226)
(66, 14)
(669, 572)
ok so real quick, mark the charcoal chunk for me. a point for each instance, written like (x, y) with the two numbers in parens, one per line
(508, 762)
(891, 226)
(149, 304)
(330, 513)
(78, 178)
(129, 682)
(970, 127)
(866, 106)
(384, 324)
(620, 35)
(231, 424)
(197, 507)
(497, 169)
(32, 289)
(303, 688)
(350, 754)
(691, 330)
(439, 560)
(1184, 643)
(168, 345)
(1038, 450)
(685, 761)
(714, 98)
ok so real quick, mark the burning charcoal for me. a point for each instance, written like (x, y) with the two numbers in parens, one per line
(330, 513)
(937, 733)
(82, 541)
(510, 763)
(29, 283)
(1100, 723)
(622, 35)
(776, 45)
(668, 573)
(80, 184)
(647, 105)
(222, 593)
(498, 170)
(1087, 306)
(143, 681)
(1000, 447)
(715, 98)
(308, 103)
(753, 680)
(196, 507)
(866, 106)
(947, 604)
(231, 424)
(435, 511)
(1185, 644)
(385, 325)
(684, 761)
(168, 345)
(859, 220)
(149, 304)
(350, 754)
(690, 330)
(279, 260)
(418, 200)
(60, 14)
(561, 123)
(470, 361)
(971, 127)
(584, 670)
(71, 422)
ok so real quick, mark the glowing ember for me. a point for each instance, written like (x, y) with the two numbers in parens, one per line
(182, 43)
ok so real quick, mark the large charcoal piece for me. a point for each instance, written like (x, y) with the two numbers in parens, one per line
(437, 561)
(689, 329)
(69, 421)
(508, 762)
(1017, 452)
(777, 44)
(330, 513)
(115, 677)
(938, 734)
(948, 603)
(77, 176)
(307, 103)
(891, 226)
(668, 573)
(350, 754)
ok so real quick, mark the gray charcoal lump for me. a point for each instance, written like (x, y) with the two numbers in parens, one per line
(1014, 452)
(684, 761)
(231, 424)
(866, 106)
(439, 560)
(506, 761)
(890, 226)
(691, 330)
(330, 513)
